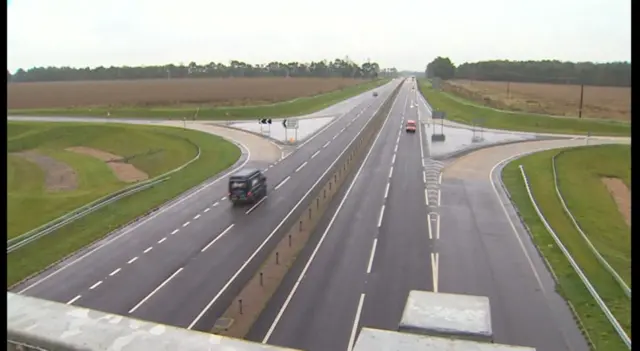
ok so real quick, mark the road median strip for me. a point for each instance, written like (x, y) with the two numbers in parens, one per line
(252, 299)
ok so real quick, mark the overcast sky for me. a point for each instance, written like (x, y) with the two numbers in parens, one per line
(406, 34)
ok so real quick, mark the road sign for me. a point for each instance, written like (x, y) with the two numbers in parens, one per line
(439, 115)
(291, 123)
(264, 121)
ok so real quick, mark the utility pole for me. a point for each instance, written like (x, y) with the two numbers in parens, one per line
(581, 100)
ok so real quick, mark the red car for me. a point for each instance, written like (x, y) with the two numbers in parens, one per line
(411, 126)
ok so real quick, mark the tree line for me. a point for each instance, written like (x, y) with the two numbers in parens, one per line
(344, 68)
(546, 71)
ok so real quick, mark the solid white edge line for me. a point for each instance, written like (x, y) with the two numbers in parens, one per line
(356, 321)
(217, 238)
(282, 182)
(324, 234)
(256, 205)
(155, 290)
(421, 140)
(134, 227)
(372, 255)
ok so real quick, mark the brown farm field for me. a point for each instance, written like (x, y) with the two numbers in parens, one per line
(160, 92)
(553, 99)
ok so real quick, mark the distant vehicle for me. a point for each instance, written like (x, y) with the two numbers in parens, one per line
(411, 126)
(375, 94)
(247, 186)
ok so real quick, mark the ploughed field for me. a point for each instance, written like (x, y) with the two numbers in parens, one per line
(163, 92)
(553, 99)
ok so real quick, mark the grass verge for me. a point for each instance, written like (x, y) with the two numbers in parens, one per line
(30, 204)
(294, 107)
(216, 156)
(465, 113)
(572, 164)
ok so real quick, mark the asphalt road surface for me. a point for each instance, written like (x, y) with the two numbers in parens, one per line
(404, 221)
(373, 249)
(182, 265)
(404, 224)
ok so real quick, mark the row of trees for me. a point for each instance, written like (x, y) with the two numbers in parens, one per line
(336, 68)
(547, 71)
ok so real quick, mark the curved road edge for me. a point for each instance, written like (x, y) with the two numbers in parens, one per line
(488, 162)
(252, 147)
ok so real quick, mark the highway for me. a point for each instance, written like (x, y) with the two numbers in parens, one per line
(405, 224)
(371, 251)
(181, 265)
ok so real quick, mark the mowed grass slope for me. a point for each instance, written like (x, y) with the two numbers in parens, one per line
(462, 112)
(177, 145)
(31, 205)
(580, 171)
(184, 98)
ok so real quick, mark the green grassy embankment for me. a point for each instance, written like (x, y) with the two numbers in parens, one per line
(580, 172)
(296, 107)
(153, 150)
(466, 113)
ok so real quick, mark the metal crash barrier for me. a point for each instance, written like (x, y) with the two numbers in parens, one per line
(427, 324)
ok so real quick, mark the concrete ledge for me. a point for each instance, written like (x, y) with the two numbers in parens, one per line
(46, 325)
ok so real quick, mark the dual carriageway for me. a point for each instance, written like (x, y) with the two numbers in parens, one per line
(402, 222)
